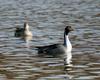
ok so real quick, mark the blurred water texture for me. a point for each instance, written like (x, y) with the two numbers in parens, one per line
(48, 18)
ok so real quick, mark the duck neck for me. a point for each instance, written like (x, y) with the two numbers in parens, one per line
(26, 26)
(66, 39)
(67, 43)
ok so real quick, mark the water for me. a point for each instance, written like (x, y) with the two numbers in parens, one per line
(19, 59)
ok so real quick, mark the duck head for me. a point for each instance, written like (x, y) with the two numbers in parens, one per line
(68, 29)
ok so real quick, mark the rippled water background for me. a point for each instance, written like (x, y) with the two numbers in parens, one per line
(19, 60)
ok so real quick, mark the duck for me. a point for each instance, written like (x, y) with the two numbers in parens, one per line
(23, 32)
(59, 49)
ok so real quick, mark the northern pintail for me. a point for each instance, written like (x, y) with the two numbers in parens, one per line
(23, 32)
(58, 49)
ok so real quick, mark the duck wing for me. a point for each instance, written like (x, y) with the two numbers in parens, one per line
(45, 49)
(19, 32)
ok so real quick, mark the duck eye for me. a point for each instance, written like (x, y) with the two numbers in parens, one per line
(68, 26)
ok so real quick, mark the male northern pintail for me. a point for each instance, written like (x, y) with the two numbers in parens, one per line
(23, 32)
(57, 49)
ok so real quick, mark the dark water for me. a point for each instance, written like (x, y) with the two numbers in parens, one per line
(47, 18)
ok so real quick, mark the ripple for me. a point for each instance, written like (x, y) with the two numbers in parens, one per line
(19, 60)
(86, 78)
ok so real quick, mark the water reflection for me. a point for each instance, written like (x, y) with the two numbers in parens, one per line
(27, 40)
(67, 70)
(68, 59)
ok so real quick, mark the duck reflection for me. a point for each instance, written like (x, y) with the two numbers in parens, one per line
(67, 69)
(27, 40)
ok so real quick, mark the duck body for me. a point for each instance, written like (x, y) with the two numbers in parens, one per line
(56, 50)
(23, 32)
(19, 32)
(52, 49)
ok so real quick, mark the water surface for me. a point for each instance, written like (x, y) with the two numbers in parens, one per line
(19, 60)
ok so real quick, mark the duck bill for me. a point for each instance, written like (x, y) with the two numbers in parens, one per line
(71, 29)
